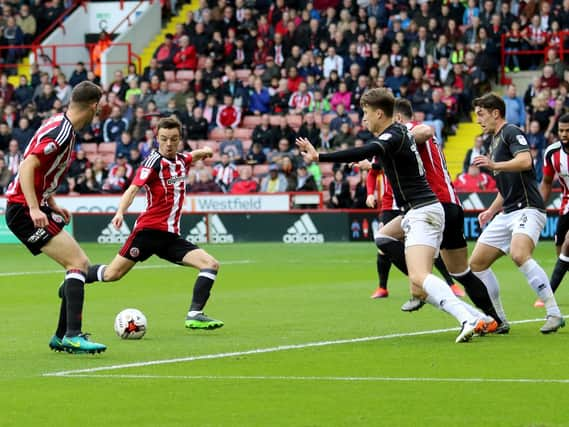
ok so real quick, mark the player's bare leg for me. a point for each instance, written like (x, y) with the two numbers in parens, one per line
(437, 293)
(63, 249)
(208, 267)
(521, 250)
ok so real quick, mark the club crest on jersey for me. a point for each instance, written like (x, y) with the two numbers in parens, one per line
(385, 137)
(144, 172)
(49, 148)
(522, 139)
(57, 218)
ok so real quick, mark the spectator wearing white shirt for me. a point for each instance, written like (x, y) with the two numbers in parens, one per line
(333, 62)
(300, 100)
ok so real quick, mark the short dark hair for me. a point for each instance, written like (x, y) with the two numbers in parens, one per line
(86, 93)
(379, 98)
(564, 118)
(490, 102)
(169, 123)
(403, 107)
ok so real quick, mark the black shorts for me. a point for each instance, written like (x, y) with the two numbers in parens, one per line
(562, 228)
(142, 244)
(453, 236)
(20, 223)
(389, 215)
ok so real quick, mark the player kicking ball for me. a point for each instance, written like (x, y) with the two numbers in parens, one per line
(157, 229)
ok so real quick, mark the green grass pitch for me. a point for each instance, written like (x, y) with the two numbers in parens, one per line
(293, 351)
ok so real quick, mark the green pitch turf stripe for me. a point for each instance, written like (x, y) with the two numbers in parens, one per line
(350, 379)
(261, 351)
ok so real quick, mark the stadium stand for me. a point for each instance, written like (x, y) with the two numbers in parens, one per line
(438, 54)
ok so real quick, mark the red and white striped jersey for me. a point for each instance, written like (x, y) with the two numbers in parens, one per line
(300, 101)
(165, 183)
(436, 170)
(557, 162)
(52, 144)
(378, 182)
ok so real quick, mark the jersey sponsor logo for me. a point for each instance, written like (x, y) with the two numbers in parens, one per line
(37, 235)
(49, 148)
(522, 139)
(303, 231)
(217, 231)
(385, 137)
(144, 172)
(175, 179)
(110, 234)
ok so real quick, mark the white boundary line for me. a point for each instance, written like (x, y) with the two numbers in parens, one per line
(312, 378)
(141, 267)
(257, 351)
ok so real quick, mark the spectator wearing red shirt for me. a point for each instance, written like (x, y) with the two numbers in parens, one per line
(294, 80)
(186, 58)
(245, 184)
(228, 115)
(165, 53)
(474, 181)
(301, 99)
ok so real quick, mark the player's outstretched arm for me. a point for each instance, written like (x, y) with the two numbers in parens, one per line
(126, 200)
(422, 133)
(345, 156)
(202, 153)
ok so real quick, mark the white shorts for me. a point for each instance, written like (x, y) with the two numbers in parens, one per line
(424, 226)
(499, 231)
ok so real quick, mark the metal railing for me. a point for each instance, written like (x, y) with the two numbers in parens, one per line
(46, 55)
(560, 48)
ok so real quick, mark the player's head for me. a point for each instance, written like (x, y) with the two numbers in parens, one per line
(403, 110)
(169, 133)
(563, 129)
(84, 101)
(490, 110)
(377, 104)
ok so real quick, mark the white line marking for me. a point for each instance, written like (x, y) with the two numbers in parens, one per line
(141, 267)
(259, 351)
(350, 379)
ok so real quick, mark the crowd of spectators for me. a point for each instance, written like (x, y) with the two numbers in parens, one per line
(247, 78)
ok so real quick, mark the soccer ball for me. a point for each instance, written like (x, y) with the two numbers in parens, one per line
(130, 324)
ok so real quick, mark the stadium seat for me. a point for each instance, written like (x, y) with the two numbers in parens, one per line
(327, 169)
(217, 134)
(261, 170)
(353, 180)
(201, 62)
(243, 74)
(170, 76)
(214, 145)
(251, 121)
(275, 119)
(89, 148)
(294, 120)
(355, 117)
(243, 133)
(108, 158)
(174, 87)
(107, 147)
(184, 75)
(247, 145)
